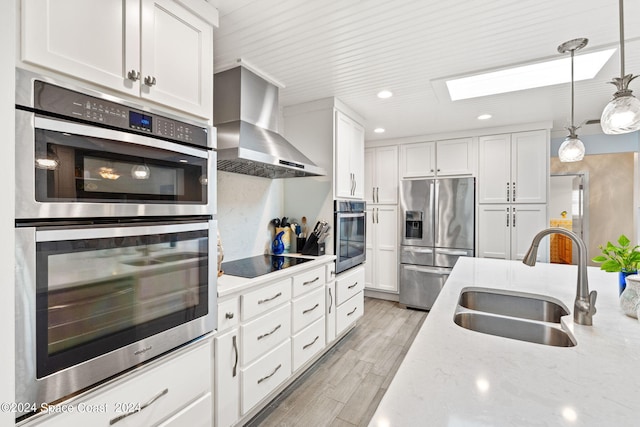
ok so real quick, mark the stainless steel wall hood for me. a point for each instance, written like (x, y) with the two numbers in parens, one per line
(245, 113)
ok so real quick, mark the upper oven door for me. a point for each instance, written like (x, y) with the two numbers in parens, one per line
(350, 242)
(68, 170)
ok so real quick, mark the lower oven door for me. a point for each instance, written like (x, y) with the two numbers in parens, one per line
(420, 285)
(92, 302)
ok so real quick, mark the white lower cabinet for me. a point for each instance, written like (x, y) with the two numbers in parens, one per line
(168, 393)
(227, 378)
(381, 268)
(307, 343)
(265, 374)
(272, 331)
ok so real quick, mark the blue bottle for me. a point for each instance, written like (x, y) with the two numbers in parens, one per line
(277, 246)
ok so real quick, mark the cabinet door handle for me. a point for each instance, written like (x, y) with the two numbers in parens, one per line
(311, 309)
(235, 350)
(311, 281)
(373, 195)
(377, 215)
(306, 346)
(270, 375)
(378, 194)
(353, 311)
(330, 301)
(513, 193)
(228, 315)
(508, 192)
(141, 408)
(355, 184)
(133, 75)
(262, 301)
(507, 217)
(514, 217)
(352, 286)
(150, 81)
(269, 333)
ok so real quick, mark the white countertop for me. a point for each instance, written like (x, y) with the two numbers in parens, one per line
(228, 285)
(452, 376)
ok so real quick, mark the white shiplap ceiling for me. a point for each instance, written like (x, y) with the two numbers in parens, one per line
(352, 49)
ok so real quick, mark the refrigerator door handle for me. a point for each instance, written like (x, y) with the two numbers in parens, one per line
(418, 250)
(436, 211)
(455, 252)
(422, 269)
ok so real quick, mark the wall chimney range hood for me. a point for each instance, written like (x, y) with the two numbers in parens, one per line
(245, 113)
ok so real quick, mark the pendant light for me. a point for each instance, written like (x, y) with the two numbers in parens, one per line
(622, 113)
(572, 149)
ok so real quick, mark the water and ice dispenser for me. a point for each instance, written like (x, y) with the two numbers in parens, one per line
(413, 225)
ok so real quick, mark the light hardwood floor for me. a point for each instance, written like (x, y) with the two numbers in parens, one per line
(346, 385)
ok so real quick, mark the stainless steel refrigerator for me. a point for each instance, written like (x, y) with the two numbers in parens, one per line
(438, 227)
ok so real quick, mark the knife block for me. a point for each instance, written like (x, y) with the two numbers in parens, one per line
(312, 247)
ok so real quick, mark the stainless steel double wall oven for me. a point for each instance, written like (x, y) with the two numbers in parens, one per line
(350, 222)
(115, 236)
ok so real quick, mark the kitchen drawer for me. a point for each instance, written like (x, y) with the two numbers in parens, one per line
(228, 313)
(197, 414)
(264, 375)
(348, 284)
(330, 272)
(307, 309)
(349, 312)
(308, 342)
(308, 280)
(264, 333)
(170, 386)
(263, 299)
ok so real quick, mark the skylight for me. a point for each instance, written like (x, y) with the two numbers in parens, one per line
(528, 76)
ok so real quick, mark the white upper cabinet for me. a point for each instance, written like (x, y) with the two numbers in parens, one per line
(452, 157)
(349, 158)
(513, 168)
(153, 49)
(381, 175)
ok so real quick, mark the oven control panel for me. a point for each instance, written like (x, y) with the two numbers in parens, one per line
(75, 105)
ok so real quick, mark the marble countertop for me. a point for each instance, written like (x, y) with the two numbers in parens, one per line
(228, 285)
(452, 376)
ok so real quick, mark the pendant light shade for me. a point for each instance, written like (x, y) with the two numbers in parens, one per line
(572, 149)
(622, 113)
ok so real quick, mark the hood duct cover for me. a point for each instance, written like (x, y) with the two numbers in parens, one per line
(245, 115)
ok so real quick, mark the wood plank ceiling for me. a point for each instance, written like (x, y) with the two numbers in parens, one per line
(352, 49)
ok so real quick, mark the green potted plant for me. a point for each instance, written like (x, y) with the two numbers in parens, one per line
(623, 259)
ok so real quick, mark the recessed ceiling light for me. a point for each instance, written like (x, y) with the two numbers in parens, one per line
(484, 116)
(379, 130)
(528, 76)
(385, 94)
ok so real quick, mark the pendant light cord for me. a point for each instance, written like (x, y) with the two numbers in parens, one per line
(572, 127)
(621, 38)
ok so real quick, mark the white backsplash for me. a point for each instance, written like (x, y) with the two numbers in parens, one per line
(246, 205)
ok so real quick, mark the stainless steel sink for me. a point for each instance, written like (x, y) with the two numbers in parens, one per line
(515, 315)
(142, 262)
(177, 257)
(515, 304)
(513, 328)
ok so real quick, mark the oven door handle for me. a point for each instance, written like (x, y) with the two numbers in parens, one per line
(99, 233)
(98, 132)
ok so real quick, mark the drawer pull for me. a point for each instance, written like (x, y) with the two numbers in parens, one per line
(306, 346)
(352, 286)
(354, 310)
(311, 309)
(311, 281)
(143, 406)
(229, 315)
(262, 301)
(235, 350)
(269, 333)
(270, 375)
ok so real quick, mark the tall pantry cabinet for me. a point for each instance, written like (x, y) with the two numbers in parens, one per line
(513, 177)
(381, 195)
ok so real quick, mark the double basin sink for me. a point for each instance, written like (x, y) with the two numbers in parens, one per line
(161, 259)
(515, 315)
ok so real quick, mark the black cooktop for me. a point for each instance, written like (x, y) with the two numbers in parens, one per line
(260, 265)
